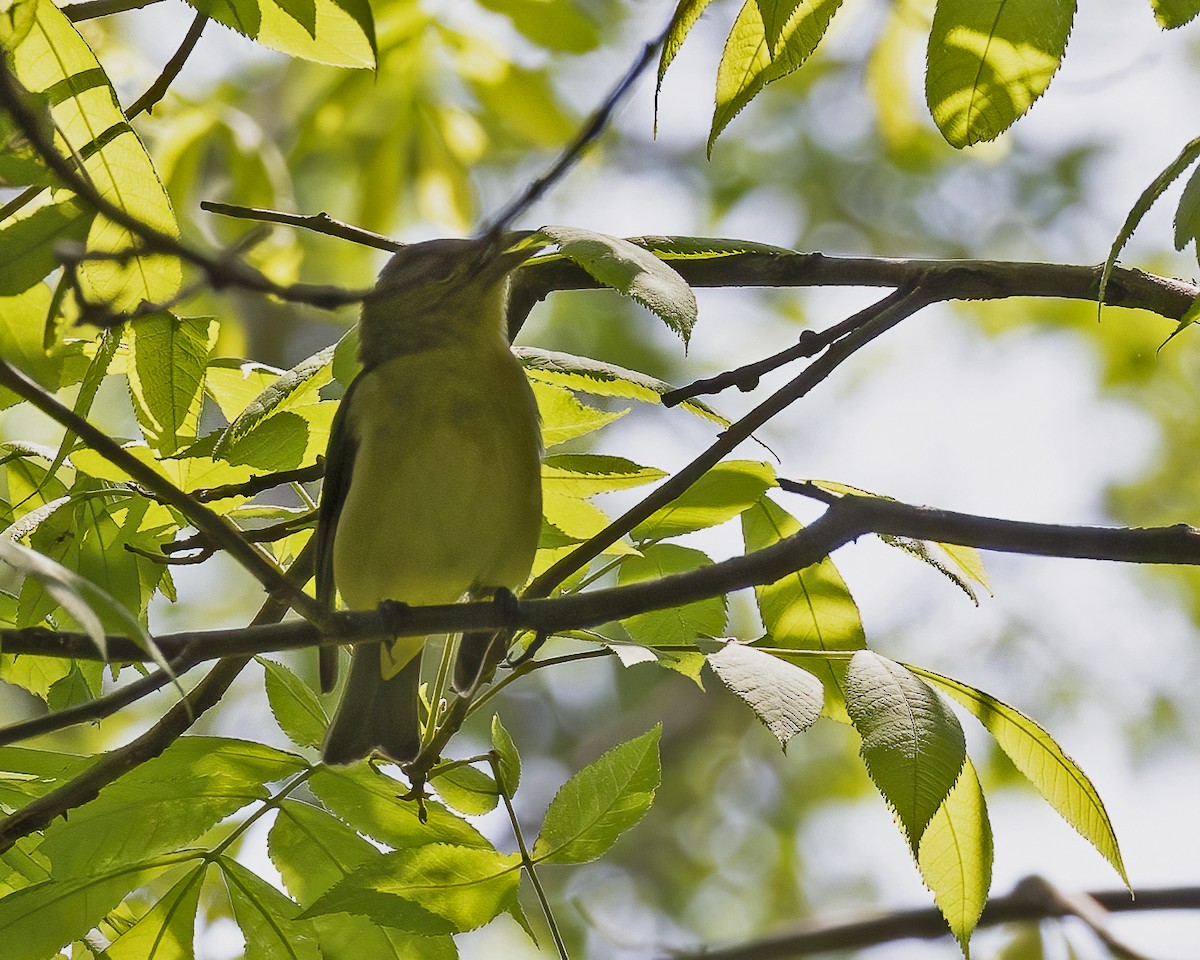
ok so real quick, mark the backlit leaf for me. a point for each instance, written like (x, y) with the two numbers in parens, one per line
(601, 802)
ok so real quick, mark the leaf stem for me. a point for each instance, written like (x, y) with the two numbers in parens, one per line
(527, 860)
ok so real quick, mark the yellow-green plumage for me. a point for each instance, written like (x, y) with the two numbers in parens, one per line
(432, 490)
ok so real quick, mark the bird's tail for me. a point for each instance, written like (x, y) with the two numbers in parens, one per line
(376, 715)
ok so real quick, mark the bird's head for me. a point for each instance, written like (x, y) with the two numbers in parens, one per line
(437, 291)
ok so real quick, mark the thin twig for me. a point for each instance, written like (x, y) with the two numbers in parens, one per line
(885, 314)
(318, 223)
(91, 711)
(588, 134)
(158, 89)
(526, 859)
(90, 9)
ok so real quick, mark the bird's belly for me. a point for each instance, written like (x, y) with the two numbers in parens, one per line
(445, 492)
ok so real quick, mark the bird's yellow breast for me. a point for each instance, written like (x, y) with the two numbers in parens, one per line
(445, 491)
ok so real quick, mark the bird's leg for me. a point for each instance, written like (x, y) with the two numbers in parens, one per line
(476, 660)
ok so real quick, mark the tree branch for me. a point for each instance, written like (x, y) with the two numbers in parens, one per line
(846, 519)
(1024, 904)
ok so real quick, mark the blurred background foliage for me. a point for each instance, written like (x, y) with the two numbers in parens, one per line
(472, 99)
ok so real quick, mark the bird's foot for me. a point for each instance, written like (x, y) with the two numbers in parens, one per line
(395, 616)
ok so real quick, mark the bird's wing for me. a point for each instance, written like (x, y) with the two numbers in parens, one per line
(339, 464)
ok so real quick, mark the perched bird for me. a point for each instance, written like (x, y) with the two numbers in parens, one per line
(432, 486)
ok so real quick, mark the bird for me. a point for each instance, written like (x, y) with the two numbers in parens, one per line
(432, 488)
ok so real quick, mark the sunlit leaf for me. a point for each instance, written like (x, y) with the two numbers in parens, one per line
(53, 59)
(786, 698)
(337, 32)
(602, 379)
(371, 803)
(912, 743)
(297, 709)
(36, 920)
(724, 492)
(630, 270)
(467, 789)
(679, 624)
(565, 417)
(165, 378)
(1174, 13)
(167, 930)
(433, 889)
(769, 40)
(989, 60)
(1035, 753)
(157, 807)
(955, 855)
(267, 918)
(601, 802)
(687, 12)
(508, 760)
(808, 610)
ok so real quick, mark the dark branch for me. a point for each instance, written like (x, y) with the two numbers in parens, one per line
(158, 89)
(846, 519)
(591, 131)
(317, 223)
(1022, 905)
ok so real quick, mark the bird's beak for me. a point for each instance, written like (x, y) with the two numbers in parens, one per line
(498, 256)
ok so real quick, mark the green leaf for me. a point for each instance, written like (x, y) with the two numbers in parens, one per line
(602, 379)
(166, 375)
(912, 743)
(167, 930)
(337, 32)
(1174, 13)
(158, 807)
(297, 709)
(1034, 752)
(22, 321)
(75, 594)
(370, 802)
(437, 888)
(54, 60)
(267, 918)
(37, 920)
(769, 40)
(1187, 214)
(565, 418)
(989, 61)
(508, 760)
(582, 475)
(28, 239)
(786, 698)
(808, 610)
(949, 565)
(467, 790)
(687, 12)
(724, 492)
(601, 802)
(631, 270)
(1158, 186)
(955, 855)
(287, 424)
(313, 850)
(551, 24)
(675, 625)
(26, 774)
